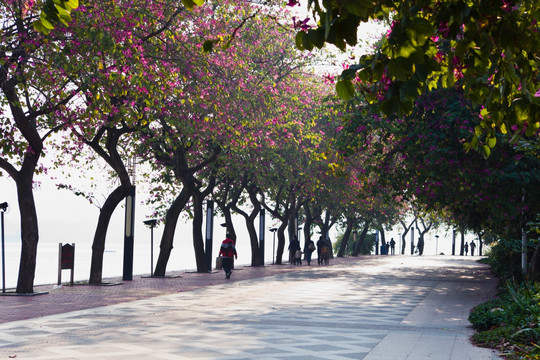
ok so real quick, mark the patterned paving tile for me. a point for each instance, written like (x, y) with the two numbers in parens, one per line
(322, 314)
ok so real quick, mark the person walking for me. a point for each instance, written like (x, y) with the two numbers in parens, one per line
(392, 246)
(473, 246)
(227, 251)
(308, 250)
(320, 246)
(293, 246)
(466, 249)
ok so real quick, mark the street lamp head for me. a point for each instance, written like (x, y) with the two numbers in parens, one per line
(4, 206)
(273, 229)
(150, 223)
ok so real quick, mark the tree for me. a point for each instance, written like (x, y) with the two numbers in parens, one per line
(33, 90)
(119, 92)
(488, 49)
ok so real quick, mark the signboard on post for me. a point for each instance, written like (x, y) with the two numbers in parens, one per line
(66, 260)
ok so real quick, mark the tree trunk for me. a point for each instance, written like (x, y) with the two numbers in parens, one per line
(420, 245)
(480, 244)
(171, 219)
(345, 239)
(98, 245)
(361, 239)
(252, 232)
(229, 226)
(29, 232)
(281, 243)
(197, 222)
(307, 224)
(111, 155)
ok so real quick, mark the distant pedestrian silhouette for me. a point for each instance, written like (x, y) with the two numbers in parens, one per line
(473, 246)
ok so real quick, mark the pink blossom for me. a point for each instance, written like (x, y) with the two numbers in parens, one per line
(443, 29)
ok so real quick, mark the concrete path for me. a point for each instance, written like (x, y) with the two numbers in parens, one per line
(373, 308)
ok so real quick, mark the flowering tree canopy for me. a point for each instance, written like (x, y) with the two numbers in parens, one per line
(487, 48)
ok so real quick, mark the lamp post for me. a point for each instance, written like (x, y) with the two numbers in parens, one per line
(261, 236)
(128, 235)
(437, 245)
(454, 242)
(209, 233)
(3, 208)
(273, 244)
(152, 223)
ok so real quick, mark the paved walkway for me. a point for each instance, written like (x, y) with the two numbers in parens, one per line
(373, 308)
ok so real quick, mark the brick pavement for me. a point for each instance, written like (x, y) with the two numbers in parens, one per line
(83, 296)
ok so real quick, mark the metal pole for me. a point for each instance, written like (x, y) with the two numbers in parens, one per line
(152, 223)
(454, 242)
(377, 242)
(128, 235)
(209, 232)
(152, 250)
(273, 245)
(412, 241)
(3, 257)
(261, 236)
(274, 249)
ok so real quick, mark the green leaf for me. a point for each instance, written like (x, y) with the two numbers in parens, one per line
(397, 71)
(532, 129)
(478, 130)
(474, 142)
(360, 8)
(421, 72)
(71, 4)
(208, 45)
(406, 49)
(299, 41)
(348, 74)
(345, 89)
(46, 24)
(418, 31)
(189, 4)
(491, 142)
(308, 45)
(316, 37)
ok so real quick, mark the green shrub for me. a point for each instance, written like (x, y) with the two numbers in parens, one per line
(510, 322)
(492, 338)
(505, 260)
(487, 315)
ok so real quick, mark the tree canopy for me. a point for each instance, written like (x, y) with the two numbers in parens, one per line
(487, 48)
